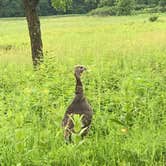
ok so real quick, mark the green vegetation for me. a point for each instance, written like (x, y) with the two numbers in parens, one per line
(125, 84)
(11, 8)
(125, 7)
(153, 18)
(103, 11)
(121, 7)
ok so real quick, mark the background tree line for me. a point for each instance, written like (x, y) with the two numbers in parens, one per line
(12, 8)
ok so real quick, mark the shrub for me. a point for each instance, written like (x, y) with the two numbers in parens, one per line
(140, 6)
(104, 11)
(162, 6)
(106, 3)
(150, 10)
(125, 7)
(162, 9)
(162, 3)
(153, 10)
(153, 18)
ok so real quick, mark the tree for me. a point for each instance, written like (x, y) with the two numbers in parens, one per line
(63, 5)
(34, 30)
(45, 8)
(10, 8)
(106, 3)
(162, 3)
(79, 6)
(14, 8)
(125, 7)
(92, 4)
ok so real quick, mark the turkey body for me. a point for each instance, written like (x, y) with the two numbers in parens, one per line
(79, 106)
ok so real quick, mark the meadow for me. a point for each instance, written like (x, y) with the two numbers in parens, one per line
(125, 84)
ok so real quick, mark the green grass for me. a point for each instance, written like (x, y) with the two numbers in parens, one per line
(125, 84)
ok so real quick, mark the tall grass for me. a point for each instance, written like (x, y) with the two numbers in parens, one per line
(125, 84)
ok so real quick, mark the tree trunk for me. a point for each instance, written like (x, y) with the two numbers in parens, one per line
(34, 30)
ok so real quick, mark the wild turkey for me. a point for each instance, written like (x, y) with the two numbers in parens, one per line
(78, 106)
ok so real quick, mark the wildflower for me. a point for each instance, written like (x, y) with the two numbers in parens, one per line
(124, 130)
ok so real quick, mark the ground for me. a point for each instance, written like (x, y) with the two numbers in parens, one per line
(125, 84)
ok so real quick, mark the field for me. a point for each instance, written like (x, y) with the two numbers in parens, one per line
(125, 84)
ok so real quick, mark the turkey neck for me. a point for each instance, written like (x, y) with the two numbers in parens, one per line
(79, 86)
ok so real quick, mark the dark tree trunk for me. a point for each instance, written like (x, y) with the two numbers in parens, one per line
(34, 30)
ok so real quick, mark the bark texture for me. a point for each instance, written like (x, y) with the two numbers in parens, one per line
(34, 30)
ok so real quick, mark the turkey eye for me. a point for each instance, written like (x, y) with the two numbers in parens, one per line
(81, 67)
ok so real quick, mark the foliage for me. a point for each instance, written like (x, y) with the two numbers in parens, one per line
(104, 11)
(92, 4)
(122, 7)
(153, 18)
(106, 3)
(162, 9)
(11, 8)
(75, 6)
(125, 7)
(79, 6)
(162, 3)
(63, 5)
(45, 8)
(125, 84)
(140, 6)
(147, 2)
